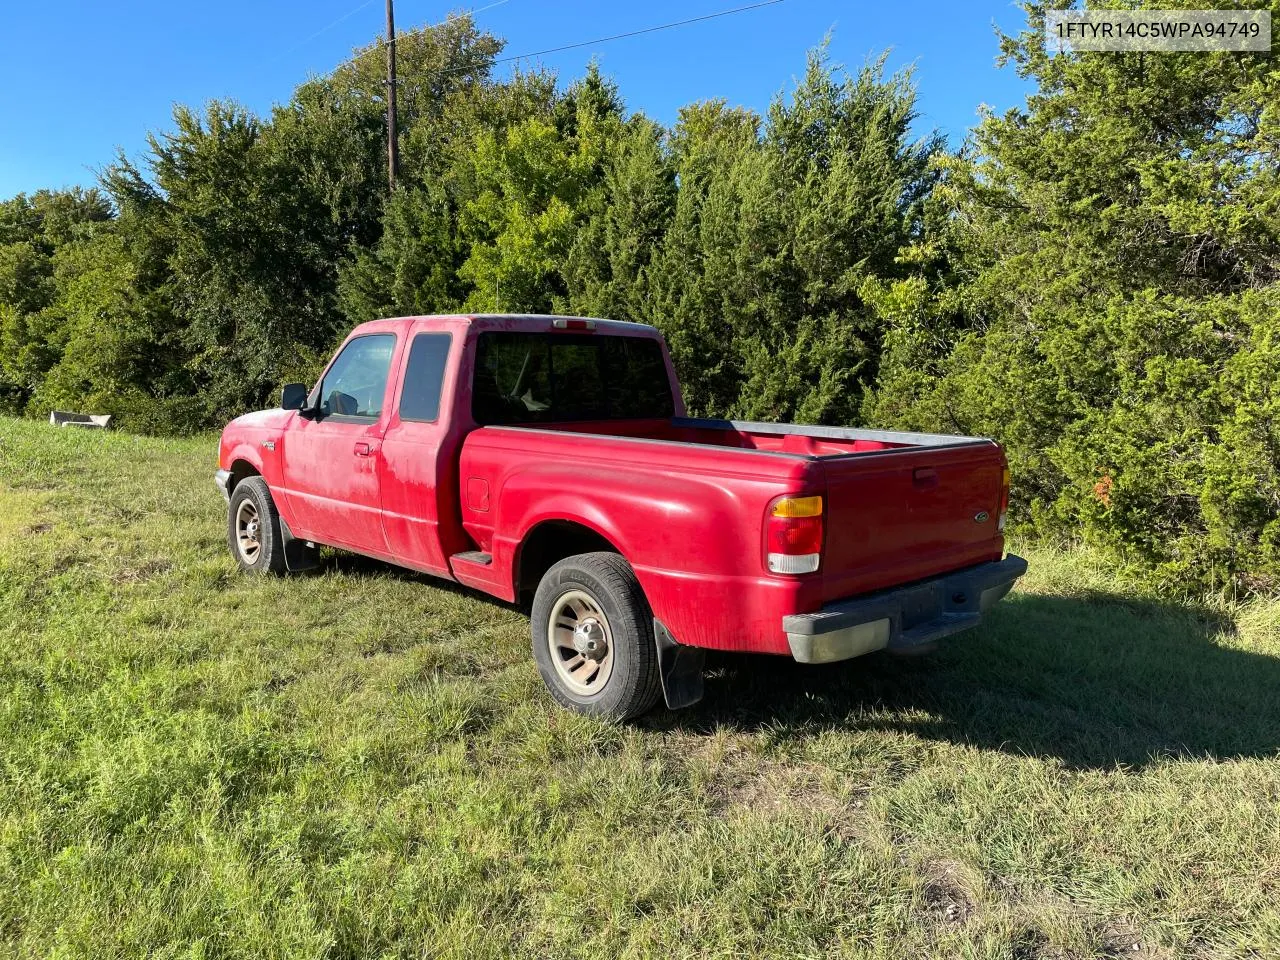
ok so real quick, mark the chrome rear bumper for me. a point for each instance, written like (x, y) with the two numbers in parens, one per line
(901, 618)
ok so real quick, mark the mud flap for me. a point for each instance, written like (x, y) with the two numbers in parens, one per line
(680, 668)
(298, 555)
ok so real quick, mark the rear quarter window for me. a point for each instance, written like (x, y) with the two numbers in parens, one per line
(424, 377)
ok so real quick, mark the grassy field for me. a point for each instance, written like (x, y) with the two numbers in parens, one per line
(363, 763)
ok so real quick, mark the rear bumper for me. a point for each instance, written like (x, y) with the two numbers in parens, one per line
(903, 617)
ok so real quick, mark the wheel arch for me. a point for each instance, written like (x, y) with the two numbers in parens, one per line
(240, 469)
(549, 541)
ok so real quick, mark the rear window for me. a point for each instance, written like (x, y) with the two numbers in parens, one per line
(551, 377)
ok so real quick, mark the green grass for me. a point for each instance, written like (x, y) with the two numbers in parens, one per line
(363, 763)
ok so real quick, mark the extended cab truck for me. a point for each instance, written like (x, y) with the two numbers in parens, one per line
(549, 459)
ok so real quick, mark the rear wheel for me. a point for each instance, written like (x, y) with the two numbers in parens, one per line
(253, 528)
(593, 637)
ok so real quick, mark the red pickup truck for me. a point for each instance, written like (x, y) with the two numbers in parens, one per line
(549, 461)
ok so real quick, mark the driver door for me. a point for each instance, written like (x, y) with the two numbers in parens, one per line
(331, 460)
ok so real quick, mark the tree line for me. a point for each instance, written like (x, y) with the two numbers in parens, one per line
(1093, 278)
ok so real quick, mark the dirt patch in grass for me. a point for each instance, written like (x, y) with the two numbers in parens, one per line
(136, 571)
(1119, 938)
(948, 902)
(1031, 944)
(66, 562)
(742, 780)
(278, 683)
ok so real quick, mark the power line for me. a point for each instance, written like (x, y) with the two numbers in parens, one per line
(351, 13)
(623, 36)
(469, 13)
(586, 43)
(458, 16)
(325, 29)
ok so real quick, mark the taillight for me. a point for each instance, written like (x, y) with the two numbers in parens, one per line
(1004, 499)
(793, 534)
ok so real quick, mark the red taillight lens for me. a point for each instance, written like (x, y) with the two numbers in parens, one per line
(1004, 499)
(793, 535)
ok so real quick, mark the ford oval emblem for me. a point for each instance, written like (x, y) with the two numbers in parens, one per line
(981, 516)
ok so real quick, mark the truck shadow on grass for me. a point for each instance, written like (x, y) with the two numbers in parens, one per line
(355, 565)
(1094, 681)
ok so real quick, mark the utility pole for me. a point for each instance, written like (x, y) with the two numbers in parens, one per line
(393, 150)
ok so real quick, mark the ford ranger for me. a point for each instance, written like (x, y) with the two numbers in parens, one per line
(549, 461)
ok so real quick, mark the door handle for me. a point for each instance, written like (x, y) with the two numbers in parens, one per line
(364, 448)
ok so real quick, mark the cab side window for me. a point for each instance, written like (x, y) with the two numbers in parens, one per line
(356, 383)
(424, 376)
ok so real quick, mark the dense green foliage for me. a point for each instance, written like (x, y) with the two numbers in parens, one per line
(240, 248)
(1092, 279)
(1100, 291)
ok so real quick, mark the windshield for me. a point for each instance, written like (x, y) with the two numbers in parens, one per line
(556, 377)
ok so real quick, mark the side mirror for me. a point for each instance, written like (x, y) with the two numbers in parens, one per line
(294, 396)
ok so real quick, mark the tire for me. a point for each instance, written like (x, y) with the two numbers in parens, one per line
(596, 597)
(251, 503)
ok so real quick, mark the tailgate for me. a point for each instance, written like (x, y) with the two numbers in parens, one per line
(903, 515)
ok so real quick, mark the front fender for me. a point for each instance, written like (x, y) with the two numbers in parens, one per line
(259, 449)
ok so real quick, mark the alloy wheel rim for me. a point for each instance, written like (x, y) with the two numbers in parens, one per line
(581, 642)
(248, 532)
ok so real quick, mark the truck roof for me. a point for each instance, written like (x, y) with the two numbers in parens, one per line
(533, 322)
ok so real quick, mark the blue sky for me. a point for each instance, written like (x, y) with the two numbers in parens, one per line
(80, 79)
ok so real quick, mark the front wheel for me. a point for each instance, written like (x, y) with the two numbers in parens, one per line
(253, 528)
(593, 637)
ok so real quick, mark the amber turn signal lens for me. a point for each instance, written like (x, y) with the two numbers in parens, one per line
(798, 507)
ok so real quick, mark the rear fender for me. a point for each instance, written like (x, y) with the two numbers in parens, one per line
(693, 544)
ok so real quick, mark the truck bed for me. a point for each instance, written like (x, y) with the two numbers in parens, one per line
(899, 508)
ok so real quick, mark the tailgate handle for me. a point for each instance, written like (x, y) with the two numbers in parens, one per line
(924, 478)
